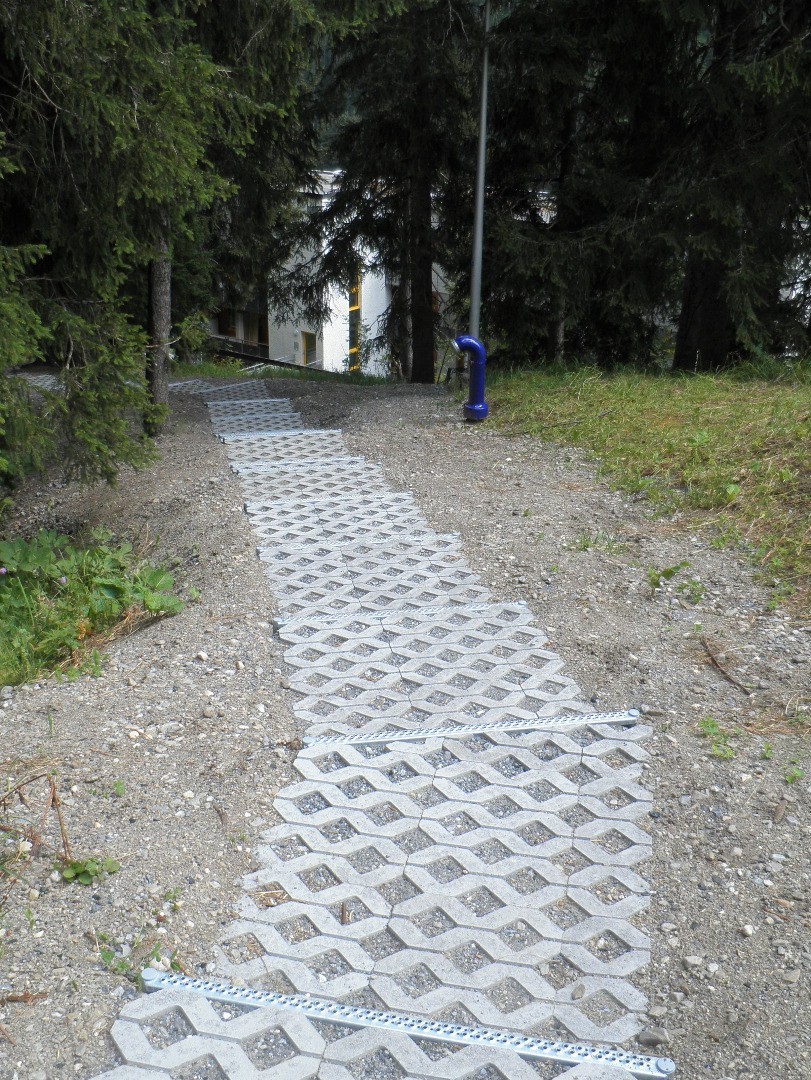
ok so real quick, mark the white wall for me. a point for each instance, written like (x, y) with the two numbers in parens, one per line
(375, 299)
(334, 337)
(285, 340)
(282, 339)
(332, 349)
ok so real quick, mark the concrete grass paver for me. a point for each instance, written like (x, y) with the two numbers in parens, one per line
(490, 878)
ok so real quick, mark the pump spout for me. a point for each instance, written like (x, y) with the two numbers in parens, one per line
(476, 407)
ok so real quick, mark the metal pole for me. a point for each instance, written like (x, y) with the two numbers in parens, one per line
(478, 218)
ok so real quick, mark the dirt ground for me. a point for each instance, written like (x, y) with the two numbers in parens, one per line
(168, 760)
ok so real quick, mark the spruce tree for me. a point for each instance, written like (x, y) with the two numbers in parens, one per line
(405, 134)
(743, 219)
(108, 111)
(137, 135)
(648, 167)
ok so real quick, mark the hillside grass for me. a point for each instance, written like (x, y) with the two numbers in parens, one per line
(228, 368)
(732, 451)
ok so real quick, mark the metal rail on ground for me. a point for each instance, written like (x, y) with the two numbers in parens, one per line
(640, 1066)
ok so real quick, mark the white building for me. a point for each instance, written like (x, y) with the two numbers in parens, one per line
(343, 342)
(339, 343)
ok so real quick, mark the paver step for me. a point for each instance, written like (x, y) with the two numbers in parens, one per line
(289, 446)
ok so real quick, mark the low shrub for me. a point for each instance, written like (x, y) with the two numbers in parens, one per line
(59, 601)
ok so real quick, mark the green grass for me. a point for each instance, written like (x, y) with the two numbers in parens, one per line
(208, 369)
(235, 369)
(58, 601)
(728, 450)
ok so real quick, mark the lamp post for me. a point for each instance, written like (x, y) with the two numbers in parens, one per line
(478, 216)
(476, 408)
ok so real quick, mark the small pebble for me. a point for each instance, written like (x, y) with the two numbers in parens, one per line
(653, 1036)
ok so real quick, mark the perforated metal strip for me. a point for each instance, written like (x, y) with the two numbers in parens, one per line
(294, 434)
(531, 1049)
(462, 730)
(383, 616)
(253, 468)
(224, 406)
(274, 428)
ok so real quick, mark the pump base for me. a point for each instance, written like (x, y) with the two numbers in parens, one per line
(475, 412)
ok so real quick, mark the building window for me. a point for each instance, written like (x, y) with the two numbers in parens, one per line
(354, 325)
(250, 322)
(227, 323)
(308, 347)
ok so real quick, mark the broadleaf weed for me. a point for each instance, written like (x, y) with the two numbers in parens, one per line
(720, 746)
(56, 597)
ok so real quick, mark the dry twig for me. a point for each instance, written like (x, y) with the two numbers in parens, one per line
(26, 774)
(716, 663)
(133, 619)
(24, 998)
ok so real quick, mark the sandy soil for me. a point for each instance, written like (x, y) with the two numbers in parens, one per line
(168, 761)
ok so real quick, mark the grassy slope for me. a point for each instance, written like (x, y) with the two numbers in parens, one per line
(734, 452)
(235, 369)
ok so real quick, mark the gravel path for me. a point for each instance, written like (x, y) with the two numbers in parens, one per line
(169, 760)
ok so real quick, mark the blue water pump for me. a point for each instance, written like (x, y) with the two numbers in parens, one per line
(476, 407)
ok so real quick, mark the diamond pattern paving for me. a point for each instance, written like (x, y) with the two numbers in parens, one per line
(485, 877)
(43, 382)
(235, 416)
(410, 576)
(239, 410)
(281, 1045)
(301, 446)
(298, 481)
(240, 391)
(337, 522)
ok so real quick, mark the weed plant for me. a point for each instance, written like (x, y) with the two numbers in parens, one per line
(57, 600)
(731, 449)
(719, 737)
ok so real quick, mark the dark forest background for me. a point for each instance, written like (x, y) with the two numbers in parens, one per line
(648, 186)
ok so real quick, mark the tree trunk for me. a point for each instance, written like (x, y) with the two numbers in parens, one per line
(421, 278)
(706, 334)
(402, 318)
(160, 331)
(556, 331)
(419, 231)
(556, 334)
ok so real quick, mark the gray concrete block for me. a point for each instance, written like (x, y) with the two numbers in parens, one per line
(595, 1072)
(131, 1072)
